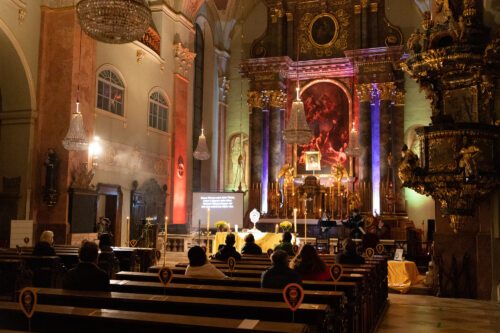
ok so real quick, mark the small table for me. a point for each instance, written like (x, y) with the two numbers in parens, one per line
(402, 275)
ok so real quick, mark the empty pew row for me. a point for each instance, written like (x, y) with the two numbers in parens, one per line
(57, 318)
(317, 316)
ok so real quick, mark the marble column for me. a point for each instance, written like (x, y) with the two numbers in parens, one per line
(364, 24)
(357, 26)
(223, 90)
(364, 92)
(373, 24)
(61, 56)
(256, 121)
(386, 92)
(398, 119)
(276, 101)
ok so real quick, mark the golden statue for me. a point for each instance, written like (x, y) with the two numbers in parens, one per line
(468, 163)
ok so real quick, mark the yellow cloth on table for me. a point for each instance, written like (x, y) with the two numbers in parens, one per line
(266, 240)
(402, 274)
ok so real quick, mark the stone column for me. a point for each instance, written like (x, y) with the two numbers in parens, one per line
(276, 101)
(357, 26)
(364, 92)
(364, 24)
(255, 137)
(386, 91)
(398, 119)
(61, 58)
(184, 59)
(223, 58)
(373, 24)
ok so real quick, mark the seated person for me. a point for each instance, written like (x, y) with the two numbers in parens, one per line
(199, 265)
(279, 275)
(370, 239)
(349, 254)
(286, 244)
(44, 247)
(86, 275)
(310, 266)
(107, 260)
(383, 230)
(250, 246)
(228, 250)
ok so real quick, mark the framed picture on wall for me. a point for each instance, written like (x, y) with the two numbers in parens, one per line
(323, 30)
(313, 161)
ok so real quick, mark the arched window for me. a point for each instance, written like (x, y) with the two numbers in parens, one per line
(158, 112)
(110, 92)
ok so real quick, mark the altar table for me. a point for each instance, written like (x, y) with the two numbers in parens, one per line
(402, 275)
(266, 240)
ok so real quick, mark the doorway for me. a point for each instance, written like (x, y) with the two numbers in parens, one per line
(109, 205)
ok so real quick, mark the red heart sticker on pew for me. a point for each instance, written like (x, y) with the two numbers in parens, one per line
(336, 272)
(295, 248)
(133, 243)
(270, 252)
(293, 295)
(26, 240)
(380, 248)
(231, 262)
(370, 252)
(28, 300)
(165, 275)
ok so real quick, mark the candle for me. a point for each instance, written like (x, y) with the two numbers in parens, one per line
(305, 227)
(229, 227)
(236, 228)
(208, 219)
(128, 231)
(276, 228)
(295, 220)
(166, 229)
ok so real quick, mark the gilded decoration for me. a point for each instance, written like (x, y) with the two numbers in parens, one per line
(373, 7)
(324, 34)
(386, 90)
(357, 9)
(277, 99)
(184, 58)
(364, 92)
(254, 100)
(399, 97)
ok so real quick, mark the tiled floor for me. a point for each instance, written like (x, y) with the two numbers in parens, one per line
(429, 314)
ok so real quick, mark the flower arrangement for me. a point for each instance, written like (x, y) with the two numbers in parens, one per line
(221, 225)
(286, 226)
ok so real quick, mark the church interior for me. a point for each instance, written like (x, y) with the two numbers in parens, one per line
(170, 125)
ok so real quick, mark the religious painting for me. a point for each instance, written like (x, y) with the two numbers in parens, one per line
(313, 161)
(323, 30)
(327, 113)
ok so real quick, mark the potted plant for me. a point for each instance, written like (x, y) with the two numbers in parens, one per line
(221, 225)
(286, 226)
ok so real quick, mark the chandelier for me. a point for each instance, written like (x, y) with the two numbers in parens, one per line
(201, 153)
(114, 21)
(297, 131)
(353, 147)
(76, 138)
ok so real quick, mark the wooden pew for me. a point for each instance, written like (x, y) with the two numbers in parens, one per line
(47, 270)
(315, 315)
(54, 318)
(351, 289)
(335, 299)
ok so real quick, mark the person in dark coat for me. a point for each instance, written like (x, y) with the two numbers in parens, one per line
(250, 246)
(349, 254)
(228, 250)
(279, 275)
(107, 261)
(44, 247)
(286, 244)
(86, 276)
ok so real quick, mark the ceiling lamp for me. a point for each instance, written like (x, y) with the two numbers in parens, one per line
(114, 21)
(201, 153)
(76, 138)
(297, 131)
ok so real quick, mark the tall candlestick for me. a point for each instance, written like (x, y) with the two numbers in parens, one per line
(208, 220)
(295, 220)
(305, 227)
(128, 231)
(166, 229)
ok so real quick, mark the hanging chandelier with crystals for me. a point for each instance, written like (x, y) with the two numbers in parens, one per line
(114, 21)
(201, 152)
(297, 131)
(76, 138)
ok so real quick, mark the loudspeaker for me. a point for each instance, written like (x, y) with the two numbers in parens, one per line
(431, 228)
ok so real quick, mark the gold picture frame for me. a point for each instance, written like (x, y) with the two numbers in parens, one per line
(313, 161)
(323, 30)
